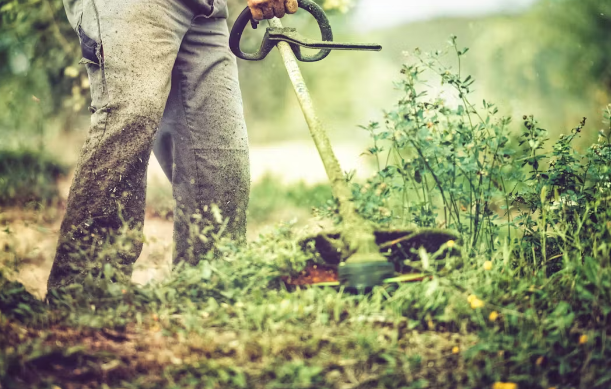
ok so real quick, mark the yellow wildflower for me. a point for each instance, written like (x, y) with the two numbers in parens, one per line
(493, 316)
(450, 243)
(455, 350)
(583, 339)
(488, 265)
(504, 385)
(475, 302)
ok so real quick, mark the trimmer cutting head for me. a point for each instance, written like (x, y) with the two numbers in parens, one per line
(363, 276)
(396, 244)
(400, 247)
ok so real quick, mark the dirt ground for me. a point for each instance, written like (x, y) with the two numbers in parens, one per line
(32, 235)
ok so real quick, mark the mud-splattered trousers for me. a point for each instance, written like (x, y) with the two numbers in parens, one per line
(162, 78)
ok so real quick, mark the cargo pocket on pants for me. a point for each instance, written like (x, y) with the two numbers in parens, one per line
(212, 9)
(93, 59)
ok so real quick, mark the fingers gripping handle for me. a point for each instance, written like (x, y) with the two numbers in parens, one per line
(246, 16)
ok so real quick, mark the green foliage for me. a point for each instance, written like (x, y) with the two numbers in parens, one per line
(189, 332)
(434, 155)
(573, 41)
(28, 176)
(17, 303)
(502, 317)
(37, 45)
(445, 161)
(565, 196)
(552, 61)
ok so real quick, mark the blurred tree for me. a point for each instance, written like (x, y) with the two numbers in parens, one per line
(38, 56)
(556, 55)
(579, 30)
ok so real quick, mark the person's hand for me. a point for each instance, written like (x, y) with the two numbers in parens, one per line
(267, 9)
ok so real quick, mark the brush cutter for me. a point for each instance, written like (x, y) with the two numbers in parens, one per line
(361, 255)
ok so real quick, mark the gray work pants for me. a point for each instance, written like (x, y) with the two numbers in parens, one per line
(162, 77)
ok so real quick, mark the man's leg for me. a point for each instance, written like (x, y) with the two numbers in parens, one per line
(202, 143)
(129, 47)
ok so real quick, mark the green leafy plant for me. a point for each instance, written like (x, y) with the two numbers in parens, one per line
(502, 320)
(28, 176)
(443, 161)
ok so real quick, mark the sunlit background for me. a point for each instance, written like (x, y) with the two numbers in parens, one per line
(372, 14)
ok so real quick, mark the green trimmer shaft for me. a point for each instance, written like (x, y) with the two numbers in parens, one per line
(364, 266)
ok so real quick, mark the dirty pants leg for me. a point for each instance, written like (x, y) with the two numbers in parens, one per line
(202, 142)
(136, 43)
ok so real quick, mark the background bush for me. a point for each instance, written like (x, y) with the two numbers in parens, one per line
(28, 176)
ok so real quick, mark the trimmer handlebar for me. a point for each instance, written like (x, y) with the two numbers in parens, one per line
(292, 37)
(267, 44)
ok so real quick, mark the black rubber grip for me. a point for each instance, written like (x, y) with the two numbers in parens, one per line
(246, 16)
